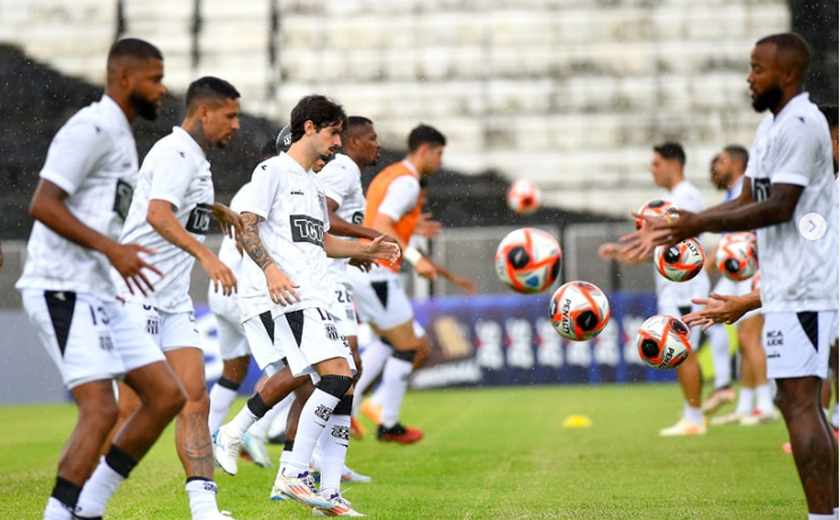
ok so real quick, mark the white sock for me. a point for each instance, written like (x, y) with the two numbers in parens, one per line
(394, 385)
(693, 414)
(764, 398)
(721, 360)
(378, 395)
(334, 442)
(310, 427)
(374, 356)
(836, 513)
(221, 399)
(202, 495)
(259, 428)
(816, 516)
(277, 424)
(240, 424)
(55, 510)
(835, 419)
(745, 400)
(99, 488)
(285, 457)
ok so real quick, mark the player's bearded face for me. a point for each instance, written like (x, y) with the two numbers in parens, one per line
(147, 90)
(145, 108)
(769, 98)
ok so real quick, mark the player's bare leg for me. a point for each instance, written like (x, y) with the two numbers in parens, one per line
(97, 415)
(813, 443)
(754, 357)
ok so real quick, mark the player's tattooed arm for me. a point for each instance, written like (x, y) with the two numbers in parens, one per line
(250, 239)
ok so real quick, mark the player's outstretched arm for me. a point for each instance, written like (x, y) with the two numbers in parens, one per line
(48, 207)
(465, 284)
(281, 289)
(162, 218)
(377, 249)
(228, 219)
(722, 309)
(342, 228)
(385, 225)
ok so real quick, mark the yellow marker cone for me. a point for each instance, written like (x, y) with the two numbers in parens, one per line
(577, 421)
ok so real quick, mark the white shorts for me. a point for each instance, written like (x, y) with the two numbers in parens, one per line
(230, 334)
(88, 339)
(729, 287)
(797, 343)
(380, 298)
(169, 330)
(259, 332)
(679, 312)
(310, 336)
(343, 310)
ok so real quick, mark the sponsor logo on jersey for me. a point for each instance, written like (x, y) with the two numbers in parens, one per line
(307, 229)
(198, 221)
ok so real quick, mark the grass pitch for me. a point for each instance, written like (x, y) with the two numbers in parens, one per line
(488, 454)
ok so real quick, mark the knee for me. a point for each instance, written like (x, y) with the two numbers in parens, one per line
(100, 414)
(197, 400)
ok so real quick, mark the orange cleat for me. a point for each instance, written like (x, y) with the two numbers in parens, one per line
(372, 411)
(357, 431)
(399, 433)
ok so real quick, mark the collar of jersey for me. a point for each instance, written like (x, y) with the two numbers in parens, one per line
(792, 107)
(115, 112)
(188, 141)
(411, 168)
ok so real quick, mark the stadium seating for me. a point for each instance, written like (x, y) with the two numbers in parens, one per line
(571, 94)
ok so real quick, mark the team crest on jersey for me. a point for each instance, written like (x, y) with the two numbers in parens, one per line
(307, 229)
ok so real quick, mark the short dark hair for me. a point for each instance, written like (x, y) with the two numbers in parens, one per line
(134, 48)
(792, 49)
(354, 123)
(830, 113)
(738, 152)
(321, 110)
(209, 87)
(671, 151)
(424, 134)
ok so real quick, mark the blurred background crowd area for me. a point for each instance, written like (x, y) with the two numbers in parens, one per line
(571, 94)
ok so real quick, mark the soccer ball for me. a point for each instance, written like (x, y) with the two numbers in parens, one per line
(528, 260)
(737, 257)
(663, 341)
(524, 197)
(579, 311)
(680, 262)
(663, 209)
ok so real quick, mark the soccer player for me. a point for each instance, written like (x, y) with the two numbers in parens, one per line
(393, 207)
(285, 224)
(732, 164)
(791, 176)
(672, 298)
(79, 207)
(171, 212)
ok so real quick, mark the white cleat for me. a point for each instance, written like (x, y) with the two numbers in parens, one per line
(255, 447)
(759, 417)
(226, 451)
(339, 506)
(684, 427)
(348, 475)
(730, 418)
(300, 488)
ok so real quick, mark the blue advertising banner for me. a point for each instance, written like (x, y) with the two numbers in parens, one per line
(496, 340)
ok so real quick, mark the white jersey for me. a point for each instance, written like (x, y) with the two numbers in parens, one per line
(93, 158)
(175, 170)
(342, 180)
(679, 294)
(294, 208)
(794, 147)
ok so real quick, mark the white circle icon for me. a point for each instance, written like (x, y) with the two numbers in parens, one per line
(812, 226)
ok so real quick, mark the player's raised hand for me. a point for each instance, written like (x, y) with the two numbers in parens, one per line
(281, 289)
(126, 260)
(466, 285)
(220, 273)
(380, 249)
(426, 227)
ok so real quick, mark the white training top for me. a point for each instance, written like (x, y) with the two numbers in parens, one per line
(294, 208)
(685, 196)
(93, 158)
(794, 147)
(342, 181)
(401, 198)
(175, 170)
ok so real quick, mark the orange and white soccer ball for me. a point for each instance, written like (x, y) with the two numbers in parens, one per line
(528, 260)
(524, 197)
(579, 310)
(737, 256)
(680, 262)
(659, 208)
(663, 342)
